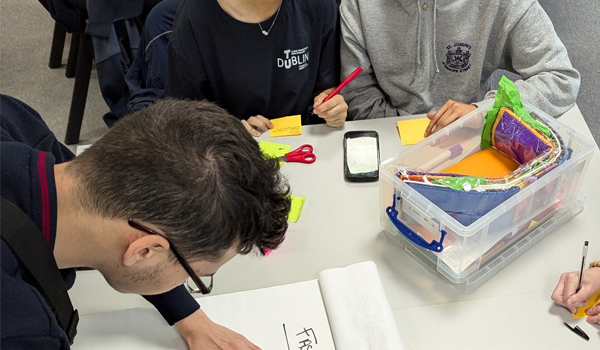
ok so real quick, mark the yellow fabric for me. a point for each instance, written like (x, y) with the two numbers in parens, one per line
(487, 163)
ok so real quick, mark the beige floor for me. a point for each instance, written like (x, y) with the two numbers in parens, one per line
(25, 37)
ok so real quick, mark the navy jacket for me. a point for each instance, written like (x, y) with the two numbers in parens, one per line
(29, 151)
(71, 14)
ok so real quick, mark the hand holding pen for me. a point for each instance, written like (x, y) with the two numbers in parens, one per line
(331, 106)
(574, 289)
(583, 257)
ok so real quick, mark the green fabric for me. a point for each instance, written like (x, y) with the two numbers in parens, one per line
(463, 183)
(508, 96)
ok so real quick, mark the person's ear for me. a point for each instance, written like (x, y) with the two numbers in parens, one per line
(144, 247)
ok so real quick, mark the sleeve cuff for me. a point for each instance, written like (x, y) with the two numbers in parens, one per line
(174, 305)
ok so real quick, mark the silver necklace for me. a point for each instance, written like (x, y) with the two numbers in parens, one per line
(265, 32)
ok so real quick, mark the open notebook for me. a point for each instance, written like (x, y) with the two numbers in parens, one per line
(346, 307)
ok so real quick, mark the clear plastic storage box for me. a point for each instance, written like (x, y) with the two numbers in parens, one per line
(469, 255)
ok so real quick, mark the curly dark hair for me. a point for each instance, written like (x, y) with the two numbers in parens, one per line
(193, 171)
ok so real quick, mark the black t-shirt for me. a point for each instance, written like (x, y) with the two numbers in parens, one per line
(214, 56)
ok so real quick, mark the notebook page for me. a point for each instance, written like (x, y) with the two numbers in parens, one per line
(358, 310)
(278, 318)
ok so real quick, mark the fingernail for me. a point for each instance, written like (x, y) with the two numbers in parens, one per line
(572, 310)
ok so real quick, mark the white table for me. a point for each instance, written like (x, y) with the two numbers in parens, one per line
(339, 225)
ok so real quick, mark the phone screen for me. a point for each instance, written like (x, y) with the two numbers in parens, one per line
(361, 156)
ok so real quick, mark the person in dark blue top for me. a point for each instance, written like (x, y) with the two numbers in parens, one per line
(173, 191)
(146, 75)
(259, 59)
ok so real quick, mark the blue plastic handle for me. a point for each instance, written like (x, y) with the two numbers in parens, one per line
(412, 235)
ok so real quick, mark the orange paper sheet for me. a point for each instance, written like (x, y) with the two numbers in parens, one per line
(487, 163)
(592, 301)
(286, 126)
(411, 131)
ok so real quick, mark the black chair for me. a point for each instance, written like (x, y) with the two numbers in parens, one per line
(79, 66)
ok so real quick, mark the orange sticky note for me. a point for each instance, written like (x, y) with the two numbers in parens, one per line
(411, 131)
(592, 301)
(286, 126)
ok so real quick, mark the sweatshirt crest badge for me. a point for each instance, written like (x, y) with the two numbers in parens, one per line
(457, 57)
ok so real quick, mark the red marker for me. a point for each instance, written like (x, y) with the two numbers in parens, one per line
(346, 81)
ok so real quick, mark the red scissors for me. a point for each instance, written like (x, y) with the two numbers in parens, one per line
(302, 154)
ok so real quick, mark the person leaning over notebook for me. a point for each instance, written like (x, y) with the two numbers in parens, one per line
(566, 294)
(436, 57)
(179, 184)
(259, 59)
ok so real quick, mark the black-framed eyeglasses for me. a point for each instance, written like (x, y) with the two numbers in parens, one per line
(201, 287)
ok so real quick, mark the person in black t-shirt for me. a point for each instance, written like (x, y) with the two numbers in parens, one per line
(259, 59)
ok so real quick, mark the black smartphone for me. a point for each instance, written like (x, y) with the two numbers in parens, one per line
(361, 156)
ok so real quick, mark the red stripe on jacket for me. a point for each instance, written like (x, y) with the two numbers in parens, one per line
(45, 195)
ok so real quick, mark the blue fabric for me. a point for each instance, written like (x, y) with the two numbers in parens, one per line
(113, 55)
(102, 14)
(146, 76)
(465, 207)
(115, 38)
(26, 320)
(214, 56)
(71, 17)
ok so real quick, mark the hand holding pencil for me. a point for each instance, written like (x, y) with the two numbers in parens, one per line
(331, 106)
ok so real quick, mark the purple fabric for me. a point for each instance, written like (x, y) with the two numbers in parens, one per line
(515, 140)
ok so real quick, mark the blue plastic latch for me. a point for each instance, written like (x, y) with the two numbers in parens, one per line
(412, 235)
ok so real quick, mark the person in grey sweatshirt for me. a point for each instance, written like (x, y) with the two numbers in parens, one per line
(437, 57)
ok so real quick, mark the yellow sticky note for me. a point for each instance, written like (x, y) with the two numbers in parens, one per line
(274, 150)
(592, 301)
(286, 126)
(411, 131)
(297, 203)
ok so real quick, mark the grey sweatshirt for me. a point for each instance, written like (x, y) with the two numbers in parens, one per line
(414, 60)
